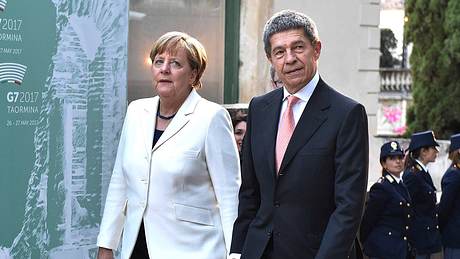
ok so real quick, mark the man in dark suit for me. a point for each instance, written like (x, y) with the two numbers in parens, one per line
(305, 157)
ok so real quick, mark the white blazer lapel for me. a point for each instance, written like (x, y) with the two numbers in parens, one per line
(148, 123)
(181, 119)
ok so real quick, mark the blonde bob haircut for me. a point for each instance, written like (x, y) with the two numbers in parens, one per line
(171, 42)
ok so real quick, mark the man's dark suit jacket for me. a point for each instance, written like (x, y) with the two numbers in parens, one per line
(314, 207)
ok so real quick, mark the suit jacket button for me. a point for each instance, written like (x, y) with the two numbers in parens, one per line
(408, 216)
(269, 234)
(408, 204)
(428, 228)
(437, 226)
(389, 233)
(405, 238)
(277, 204)
(400, 203)
(281, 173)
(407, 227)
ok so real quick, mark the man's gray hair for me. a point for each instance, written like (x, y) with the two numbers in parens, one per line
(272, 73)
(289, 20)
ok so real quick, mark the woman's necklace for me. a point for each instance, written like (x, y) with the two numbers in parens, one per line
(164, 117)
(167, 118)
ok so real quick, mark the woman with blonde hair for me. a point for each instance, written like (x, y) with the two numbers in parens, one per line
(174, 187)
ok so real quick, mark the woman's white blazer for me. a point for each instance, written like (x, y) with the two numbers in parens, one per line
(185, 188)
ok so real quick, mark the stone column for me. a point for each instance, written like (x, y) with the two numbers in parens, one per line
(254, 76)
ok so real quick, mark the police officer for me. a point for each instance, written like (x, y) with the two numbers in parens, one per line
(423, 149)
(449, 207)
(386, 222)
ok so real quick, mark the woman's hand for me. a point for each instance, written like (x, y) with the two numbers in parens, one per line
(104, 253)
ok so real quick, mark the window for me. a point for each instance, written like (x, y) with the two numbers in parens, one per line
(202, 19)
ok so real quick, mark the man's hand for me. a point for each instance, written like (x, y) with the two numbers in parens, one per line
(104, 253)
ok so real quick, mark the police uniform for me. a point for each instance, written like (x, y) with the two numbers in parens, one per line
(386, 222)
(426, 237)
(449, 207)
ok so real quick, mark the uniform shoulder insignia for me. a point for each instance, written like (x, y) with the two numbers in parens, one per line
(380, 180)
(389, 178)
(419, 167)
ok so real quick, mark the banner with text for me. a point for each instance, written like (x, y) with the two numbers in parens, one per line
(63, 67)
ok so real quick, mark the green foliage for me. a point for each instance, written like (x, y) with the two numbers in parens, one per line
(434, 29)
(388, 43)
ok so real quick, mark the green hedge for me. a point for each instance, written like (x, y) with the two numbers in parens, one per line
(434, 29)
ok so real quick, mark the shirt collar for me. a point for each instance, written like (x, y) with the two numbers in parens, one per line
(422, 165)
(305, 92)
(398, 179)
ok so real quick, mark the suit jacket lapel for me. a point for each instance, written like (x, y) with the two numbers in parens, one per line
(181, 119)
(405, 191)
(402, 191)
(428, 179)
(400, 188)
(313, 116)
(425, 175)
(146, 125)
(271, 113)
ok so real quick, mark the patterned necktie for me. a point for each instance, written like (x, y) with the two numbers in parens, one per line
(285, 131)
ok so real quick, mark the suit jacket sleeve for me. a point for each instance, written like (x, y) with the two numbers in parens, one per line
(351, 163)
(115, 205)
(249, 195)
(224, 169)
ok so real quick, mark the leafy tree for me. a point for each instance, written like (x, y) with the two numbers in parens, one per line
(434, 28)
(388, 43)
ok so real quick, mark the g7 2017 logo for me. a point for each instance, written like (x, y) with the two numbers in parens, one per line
(12, 73)
(2, 5)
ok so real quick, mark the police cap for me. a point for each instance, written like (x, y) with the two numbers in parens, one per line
(391, 148)
(454, 142)
(422, 139)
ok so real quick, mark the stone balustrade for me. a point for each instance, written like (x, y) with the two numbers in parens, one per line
(394, 98)
(395, 80)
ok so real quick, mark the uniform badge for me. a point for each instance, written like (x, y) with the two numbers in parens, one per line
(419, 167)
(394, 145)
